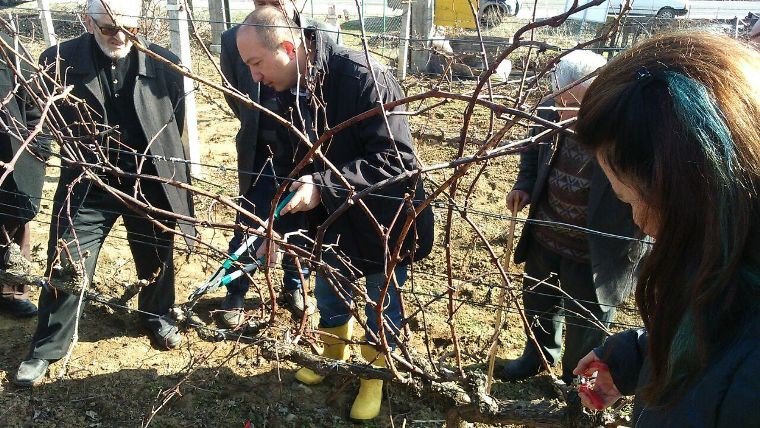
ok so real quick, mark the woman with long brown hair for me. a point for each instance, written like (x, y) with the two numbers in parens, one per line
(675, 124)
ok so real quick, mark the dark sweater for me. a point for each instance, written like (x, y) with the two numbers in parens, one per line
(117, 79)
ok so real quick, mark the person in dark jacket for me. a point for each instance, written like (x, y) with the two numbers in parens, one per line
(324, 85)
(139, 100)
(20, 191)
(674, 123)
(563, 184)
(265, 157)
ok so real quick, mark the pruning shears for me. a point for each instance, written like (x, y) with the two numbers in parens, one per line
(220, 277)
(585, 386)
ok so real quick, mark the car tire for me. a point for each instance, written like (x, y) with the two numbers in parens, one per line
(492, 16)
(666, 13)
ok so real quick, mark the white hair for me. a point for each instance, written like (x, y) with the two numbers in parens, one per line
(575, 66)
(126, 12)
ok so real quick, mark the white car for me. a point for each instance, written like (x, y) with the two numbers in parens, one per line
(664, 9)
(12, 2)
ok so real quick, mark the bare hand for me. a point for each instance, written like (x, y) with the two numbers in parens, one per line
(517, 200)
(306, 198)
(602, 392)
(275, 255)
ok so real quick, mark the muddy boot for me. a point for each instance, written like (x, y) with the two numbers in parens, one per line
(335, 348)
(367, 403)
(232, 311)
(294, 302)
(31, 372)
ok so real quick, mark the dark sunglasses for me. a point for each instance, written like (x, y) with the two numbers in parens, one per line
(112, 30)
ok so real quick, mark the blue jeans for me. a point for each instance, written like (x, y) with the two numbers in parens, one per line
(258, 200)
(333, 308)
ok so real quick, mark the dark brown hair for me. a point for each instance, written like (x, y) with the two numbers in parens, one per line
(678, 118)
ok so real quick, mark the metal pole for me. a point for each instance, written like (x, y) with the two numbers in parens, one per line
(736, 27)
(228, 22)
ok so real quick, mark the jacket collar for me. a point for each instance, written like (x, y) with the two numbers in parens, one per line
(322, 49)
(84, 43)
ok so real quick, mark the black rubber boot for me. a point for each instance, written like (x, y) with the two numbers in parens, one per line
(18, 308)
(527, 365)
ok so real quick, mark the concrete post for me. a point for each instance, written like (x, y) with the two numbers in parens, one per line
(422, 29)
(219, 19)
(48, 32)
(403, 46)
(180, 45)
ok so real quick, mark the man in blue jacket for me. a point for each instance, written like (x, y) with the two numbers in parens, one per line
(323, 85)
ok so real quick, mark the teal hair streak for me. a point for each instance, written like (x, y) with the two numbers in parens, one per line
(705, 124)
(702, 119)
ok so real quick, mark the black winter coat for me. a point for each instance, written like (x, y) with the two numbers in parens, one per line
(366, 153)
(725, 395)
(160, 107)
(22, 190)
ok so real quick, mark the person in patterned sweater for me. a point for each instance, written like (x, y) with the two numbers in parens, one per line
(563, 184)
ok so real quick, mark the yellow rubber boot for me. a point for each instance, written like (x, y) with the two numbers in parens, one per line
(334, 347)
(367, 403)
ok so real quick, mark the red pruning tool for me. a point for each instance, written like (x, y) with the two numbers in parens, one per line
(585, 386)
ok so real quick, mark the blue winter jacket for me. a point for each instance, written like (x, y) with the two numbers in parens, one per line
(726, 394)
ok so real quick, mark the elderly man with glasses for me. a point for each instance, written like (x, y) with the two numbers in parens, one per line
(137, 120)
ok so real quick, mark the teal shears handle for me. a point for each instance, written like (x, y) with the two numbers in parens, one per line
(232, 258)
(219, 278)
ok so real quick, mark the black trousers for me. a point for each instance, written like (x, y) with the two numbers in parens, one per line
(84, 232)
(548, 309)
(15, 214)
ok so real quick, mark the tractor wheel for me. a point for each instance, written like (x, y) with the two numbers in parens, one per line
(492, 17)
(666, 13)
